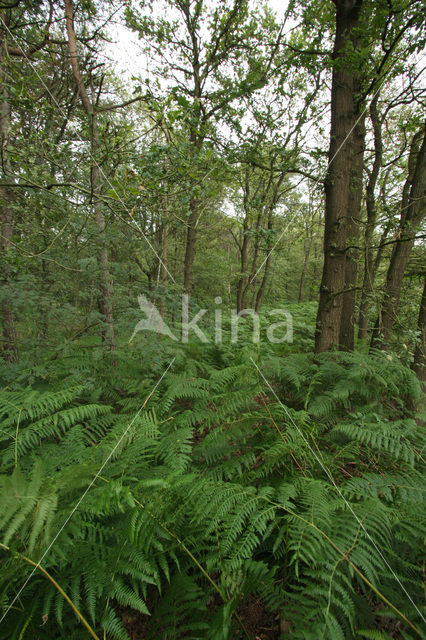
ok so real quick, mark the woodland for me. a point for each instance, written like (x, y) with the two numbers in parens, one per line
(234, 160)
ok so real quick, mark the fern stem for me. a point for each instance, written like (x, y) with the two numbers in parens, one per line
(57, 586)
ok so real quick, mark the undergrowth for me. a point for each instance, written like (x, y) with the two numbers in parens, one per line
(294, 479)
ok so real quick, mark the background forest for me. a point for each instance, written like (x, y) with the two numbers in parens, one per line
(228, 155)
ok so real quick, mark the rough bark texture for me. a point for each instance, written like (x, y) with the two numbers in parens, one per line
(347, 320)
(413, 210)
(9, 345)
(370, 200)
(338, 180)
(262, 285)
(419, 364)
(105, 281)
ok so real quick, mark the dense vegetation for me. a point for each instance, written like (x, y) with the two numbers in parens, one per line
(210, 483)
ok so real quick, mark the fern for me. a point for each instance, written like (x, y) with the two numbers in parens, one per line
(215, 493)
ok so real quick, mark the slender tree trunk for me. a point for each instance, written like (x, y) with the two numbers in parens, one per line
(251, 279)
(164, 246)
(191, 235)
(9, 344)
(347, 320)
(419, 364)
(105, 281)
(307, 246)
(379, 255)
(163, 263)
(242, 282)
(338, 180)
(413, 210)
(370, 200)
(262, 286)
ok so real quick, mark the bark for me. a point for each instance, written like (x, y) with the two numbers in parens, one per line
(105, 281)
(413, 210)
(419, 364)
(242, 282)
(9, 344)
(379, 255)
(338, 179)
(163, 263)
(197, 141)
(307, 246)
(347, 319)
(262, 286)
(191, 236)
(164, 247)
(370, 201)
(251, 279)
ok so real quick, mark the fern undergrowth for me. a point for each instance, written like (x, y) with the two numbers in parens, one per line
(307, 495)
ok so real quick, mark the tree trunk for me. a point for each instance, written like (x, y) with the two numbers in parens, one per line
(412, 212)
(105, 281)
(251, 279)
(338, 179)
(191, 234)
(262, 286)
(242, 282)
(164, 246)
(370, 200)
(307, 245)
(419, 364)
(347, 320)
(9, 345)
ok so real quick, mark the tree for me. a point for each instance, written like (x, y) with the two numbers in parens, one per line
(413, 211)
(419, 363)
(7, 195)
(368, 278)
(197, 46)
(367, 48)
(342, 155)
(89, 104)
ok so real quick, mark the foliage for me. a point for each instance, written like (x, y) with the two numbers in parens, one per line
(220, 480)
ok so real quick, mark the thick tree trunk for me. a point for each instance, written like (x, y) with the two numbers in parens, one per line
(338, 180)
(413, 210)
(419, 364)
(9, 345)
(347, 320)
(370, 199)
